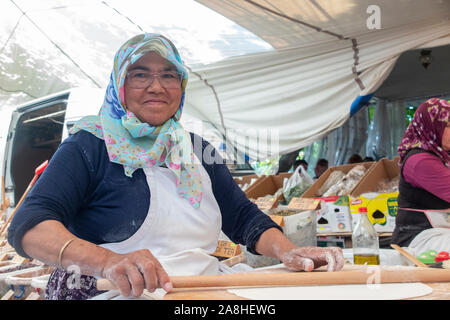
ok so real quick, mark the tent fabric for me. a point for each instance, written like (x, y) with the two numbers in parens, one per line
(301, 94)
(48, 46)
(379, 142)
(338, 146)
(284, 23)
(326, 59)
(386, 129)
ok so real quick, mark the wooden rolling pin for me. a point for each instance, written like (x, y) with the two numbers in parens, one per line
(260, 279)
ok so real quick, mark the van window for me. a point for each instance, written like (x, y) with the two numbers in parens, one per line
(37, 136)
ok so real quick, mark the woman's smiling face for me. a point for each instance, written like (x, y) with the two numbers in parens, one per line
(154, 104)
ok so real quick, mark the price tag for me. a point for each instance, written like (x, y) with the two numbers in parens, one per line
(265, 203)
(304, 204)
(227, 249)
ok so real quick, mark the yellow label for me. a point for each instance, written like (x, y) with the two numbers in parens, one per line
(379, 209)
(366, 259)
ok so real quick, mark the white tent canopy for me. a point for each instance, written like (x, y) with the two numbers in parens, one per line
(51, 45)
(48, 46)
(327, 61)
(325, 65)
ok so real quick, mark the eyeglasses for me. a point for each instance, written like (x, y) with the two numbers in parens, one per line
(139, 79)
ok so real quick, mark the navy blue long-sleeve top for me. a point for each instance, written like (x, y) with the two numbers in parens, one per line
(94, 200)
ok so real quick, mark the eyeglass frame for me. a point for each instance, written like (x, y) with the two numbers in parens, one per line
(154, 75)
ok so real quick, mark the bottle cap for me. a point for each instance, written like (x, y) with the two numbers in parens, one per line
(362, 209)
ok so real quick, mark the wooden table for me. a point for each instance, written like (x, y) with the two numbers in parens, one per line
(441, 291)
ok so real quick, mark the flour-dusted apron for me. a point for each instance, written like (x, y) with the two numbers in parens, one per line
(180, 236)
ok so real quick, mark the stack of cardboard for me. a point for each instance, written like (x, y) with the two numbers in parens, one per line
(339, 214)
(334, 214)
(267, 186)
(245, 182)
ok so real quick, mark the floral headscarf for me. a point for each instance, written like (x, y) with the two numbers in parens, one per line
(426, 129)
(135, 144)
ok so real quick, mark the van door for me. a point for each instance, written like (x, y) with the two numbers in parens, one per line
(34, 135)
(82, 102)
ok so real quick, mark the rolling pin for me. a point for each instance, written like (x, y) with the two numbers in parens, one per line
(260, 279)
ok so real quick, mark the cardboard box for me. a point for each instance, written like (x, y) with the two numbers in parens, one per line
(277, 178)
(243, 180)
(312, 191)
(382, 208)
(383, 169)
(269, 185)
(334, 215)
(298, 226)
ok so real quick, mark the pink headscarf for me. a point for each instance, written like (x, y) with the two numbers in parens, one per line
(426, 129)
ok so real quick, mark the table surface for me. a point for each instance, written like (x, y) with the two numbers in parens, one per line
(441, 291)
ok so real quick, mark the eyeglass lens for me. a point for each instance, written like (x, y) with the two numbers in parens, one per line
(142, 79)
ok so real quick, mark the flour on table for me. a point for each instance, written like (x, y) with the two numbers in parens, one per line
(384, 291)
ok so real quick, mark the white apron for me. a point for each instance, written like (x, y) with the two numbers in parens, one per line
(437, 238)
(438, 219)
(178, 235)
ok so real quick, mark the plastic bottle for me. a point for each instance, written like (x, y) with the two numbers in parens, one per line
(365, 241)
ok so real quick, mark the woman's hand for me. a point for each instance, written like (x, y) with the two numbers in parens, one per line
(135, 271)
(310, 258)
(273, 243)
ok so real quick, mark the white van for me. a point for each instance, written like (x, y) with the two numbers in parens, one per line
(36, 130)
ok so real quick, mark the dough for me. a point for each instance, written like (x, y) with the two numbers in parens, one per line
(384, 291)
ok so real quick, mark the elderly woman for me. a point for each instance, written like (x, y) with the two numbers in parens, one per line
(422, 222)
(129, 197)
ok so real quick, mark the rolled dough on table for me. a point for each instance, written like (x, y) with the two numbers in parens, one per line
(384, 291)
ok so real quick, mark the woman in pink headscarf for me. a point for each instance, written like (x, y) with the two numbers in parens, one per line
(424, 188)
